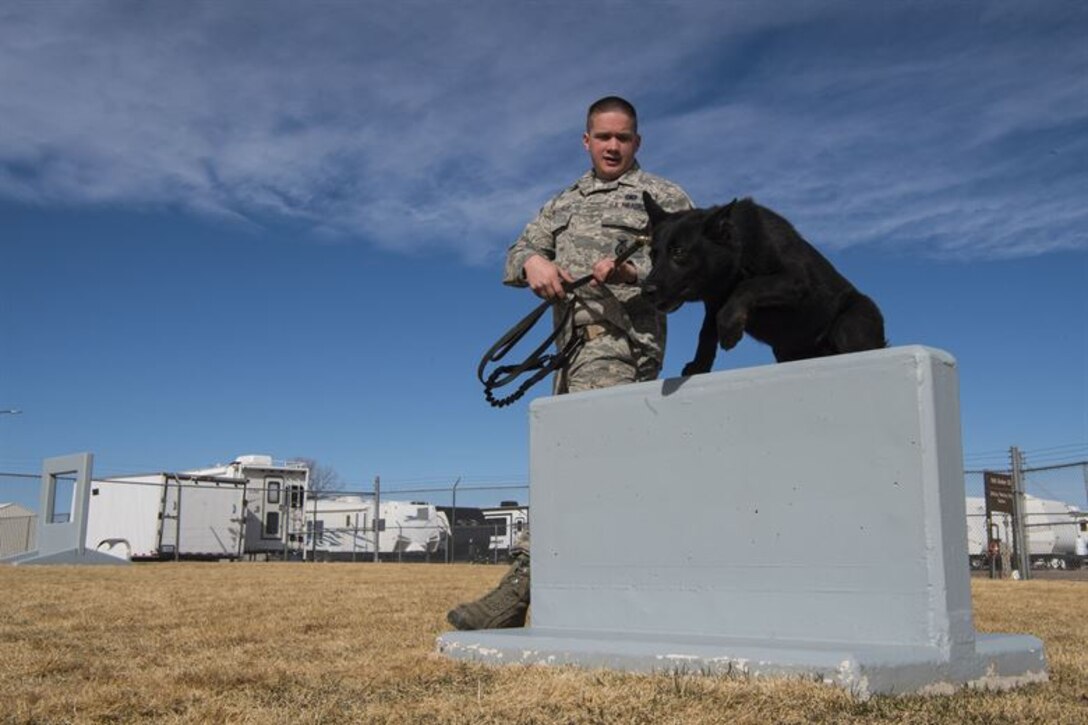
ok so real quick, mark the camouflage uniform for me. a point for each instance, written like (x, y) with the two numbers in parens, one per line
(625, 335)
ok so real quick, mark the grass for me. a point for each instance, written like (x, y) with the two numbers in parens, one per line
(324, 643)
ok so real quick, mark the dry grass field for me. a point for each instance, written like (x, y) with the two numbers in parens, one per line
(291, 643)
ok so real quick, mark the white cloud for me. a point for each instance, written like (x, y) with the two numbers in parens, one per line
(425, 125)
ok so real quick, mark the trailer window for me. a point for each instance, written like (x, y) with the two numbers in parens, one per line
(295, 492)
(499, 527)
(272, 523)
(315, 531)
(273, 491)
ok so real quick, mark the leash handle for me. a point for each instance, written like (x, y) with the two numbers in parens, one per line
(538, 360)
(624, 251)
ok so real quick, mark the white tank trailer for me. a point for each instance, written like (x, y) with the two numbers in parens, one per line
(1057, 533)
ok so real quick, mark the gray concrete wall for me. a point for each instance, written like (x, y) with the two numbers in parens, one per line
(804, 519)
(781, 501)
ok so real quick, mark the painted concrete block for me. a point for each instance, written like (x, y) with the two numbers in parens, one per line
(62, 539)
(797, 519)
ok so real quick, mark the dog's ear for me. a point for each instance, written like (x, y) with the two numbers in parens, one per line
(656, 213)
(747, 221)
(717, 225)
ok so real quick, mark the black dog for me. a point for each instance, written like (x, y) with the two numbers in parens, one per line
(755, 274)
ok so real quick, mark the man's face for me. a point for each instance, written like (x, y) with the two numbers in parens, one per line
(612, 143)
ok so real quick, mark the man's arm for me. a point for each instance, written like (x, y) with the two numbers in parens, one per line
(529, 259)
(535, 239)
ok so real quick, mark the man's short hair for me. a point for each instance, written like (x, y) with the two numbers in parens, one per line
(612, 103)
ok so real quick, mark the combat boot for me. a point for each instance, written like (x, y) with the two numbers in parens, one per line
(504, 606)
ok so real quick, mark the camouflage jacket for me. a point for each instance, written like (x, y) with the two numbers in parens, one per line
(583, 224)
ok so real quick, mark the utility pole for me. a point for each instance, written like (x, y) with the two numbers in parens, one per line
(1023, 556)
(1084, 473)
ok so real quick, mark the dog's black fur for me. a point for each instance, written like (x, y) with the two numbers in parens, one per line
(754, 273)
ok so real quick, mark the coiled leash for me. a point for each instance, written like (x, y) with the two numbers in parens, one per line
(540, 363)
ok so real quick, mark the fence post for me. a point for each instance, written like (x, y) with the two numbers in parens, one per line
(1084, 474)
(177, 523)
(242, 519)
(453, 522)
(313, 534)
(1023, 555)
(377, 517)
(354, 536)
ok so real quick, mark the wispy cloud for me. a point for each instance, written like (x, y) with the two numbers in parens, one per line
(950, 131)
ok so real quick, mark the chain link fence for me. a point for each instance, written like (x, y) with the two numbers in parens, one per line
(1067, 482)
(430, 523)
(162, 516)
(1055, 525)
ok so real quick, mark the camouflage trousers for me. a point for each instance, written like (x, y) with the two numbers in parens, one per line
(606, 358)
(521, 545)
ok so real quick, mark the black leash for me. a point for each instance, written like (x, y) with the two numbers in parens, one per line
(540, 363)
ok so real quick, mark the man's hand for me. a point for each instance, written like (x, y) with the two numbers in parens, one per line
(605, 270)
(545, 278)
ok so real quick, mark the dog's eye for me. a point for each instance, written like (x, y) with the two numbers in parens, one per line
(677, 254)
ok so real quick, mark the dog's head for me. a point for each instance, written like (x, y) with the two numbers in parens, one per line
(695, 254)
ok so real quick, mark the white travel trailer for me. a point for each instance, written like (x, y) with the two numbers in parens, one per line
(509, 519)
(251, 506)
(1057, 533)
(342, 527)
(166, 516)
(275, 502)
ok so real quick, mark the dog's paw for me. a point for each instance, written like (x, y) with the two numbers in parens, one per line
(730, 333)
(696, 367)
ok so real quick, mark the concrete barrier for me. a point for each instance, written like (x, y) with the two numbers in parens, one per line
(803, 519)
(61, 538)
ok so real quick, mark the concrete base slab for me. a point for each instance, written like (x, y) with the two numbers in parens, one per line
(68, 556)
(999, 662)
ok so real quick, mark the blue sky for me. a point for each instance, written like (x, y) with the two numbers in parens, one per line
(278, 228)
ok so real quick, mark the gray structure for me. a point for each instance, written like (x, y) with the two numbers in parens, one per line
(862, 450)
(62, 521)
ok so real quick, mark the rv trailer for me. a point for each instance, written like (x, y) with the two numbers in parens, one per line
(1057, 533)
(470, 534)
(251, 506)
(275, 502)
(509, 519)
(342, 528)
